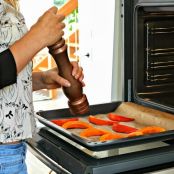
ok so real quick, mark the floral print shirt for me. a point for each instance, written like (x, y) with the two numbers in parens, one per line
(17, 120)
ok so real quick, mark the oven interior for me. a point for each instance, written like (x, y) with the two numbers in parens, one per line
(154, 56)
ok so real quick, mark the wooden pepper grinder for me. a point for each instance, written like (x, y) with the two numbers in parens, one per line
(78, 102)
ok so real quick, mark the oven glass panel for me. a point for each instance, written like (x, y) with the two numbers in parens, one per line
(159, 52)
(154, 54)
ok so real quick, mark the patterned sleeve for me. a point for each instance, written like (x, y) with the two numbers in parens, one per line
(1, 7)
(8, 70)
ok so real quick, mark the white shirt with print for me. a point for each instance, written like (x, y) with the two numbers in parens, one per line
(16, 108)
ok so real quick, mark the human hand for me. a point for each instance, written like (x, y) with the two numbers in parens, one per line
(49, 27)
(52, 80)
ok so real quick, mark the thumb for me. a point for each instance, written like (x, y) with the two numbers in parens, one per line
(62, 81)
(53, 10)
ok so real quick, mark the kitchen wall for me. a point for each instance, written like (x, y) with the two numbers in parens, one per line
(96, 23)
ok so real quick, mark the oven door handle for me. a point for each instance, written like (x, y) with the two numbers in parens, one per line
(47, 161)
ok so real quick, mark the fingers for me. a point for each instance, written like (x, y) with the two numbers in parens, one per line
(77, 72)
(60, 17)
(54, 79)
(53, 10)
(61, 25)
(63, 82)
(75, 68)
(59, 36)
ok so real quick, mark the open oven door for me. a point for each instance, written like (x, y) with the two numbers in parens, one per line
(148, 80)
(153, 54)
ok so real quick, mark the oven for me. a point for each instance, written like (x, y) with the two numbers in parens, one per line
(148, 49)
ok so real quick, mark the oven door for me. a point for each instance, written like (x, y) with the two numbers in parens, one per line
(140, 72)
(153, 54)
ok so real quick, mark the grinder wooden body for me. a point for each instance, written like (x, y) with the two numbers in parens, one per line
(78, 102)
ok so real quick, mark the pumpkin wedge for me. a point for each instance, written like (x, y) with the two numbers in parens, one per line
(152, 130)
(111, 136)
(76, 125)
(93, 132)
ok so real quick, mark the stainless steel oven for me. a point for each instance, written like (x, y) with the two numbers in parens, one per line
(148, 46)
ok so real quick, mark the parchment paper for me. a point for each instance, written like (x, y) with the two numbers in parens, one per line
(143, 116)
(146, 116)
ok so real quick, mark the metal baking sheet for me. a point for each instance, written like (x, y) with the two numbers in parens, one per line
(93, 144)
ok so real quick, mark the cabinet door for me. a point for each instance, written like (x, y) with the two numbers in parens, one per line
(96, 40)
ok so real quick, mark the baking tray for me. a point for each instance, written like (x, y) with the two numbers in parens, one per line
(45, 118)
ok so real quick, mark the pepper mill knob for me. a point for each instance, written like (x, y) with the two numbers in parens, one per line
(78, 102)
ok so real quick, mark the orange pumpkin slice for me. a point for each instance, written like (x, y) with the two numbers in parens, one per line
(152, 130)
(110, 136)
(120, 118)
(60, 122)
(76, 125)
(99, 121)
(134, 134)
(93, 132)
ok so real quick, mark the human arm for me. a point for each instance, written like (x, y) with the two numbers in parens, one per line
(51, 80)
(47, 30)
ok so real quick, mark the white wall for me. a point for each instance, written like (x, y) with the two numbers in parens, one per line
(96, 24)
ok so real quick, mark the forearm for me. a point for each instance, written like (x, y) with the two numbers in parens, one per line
(25, 49)
(37, 80)
(47, 31)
